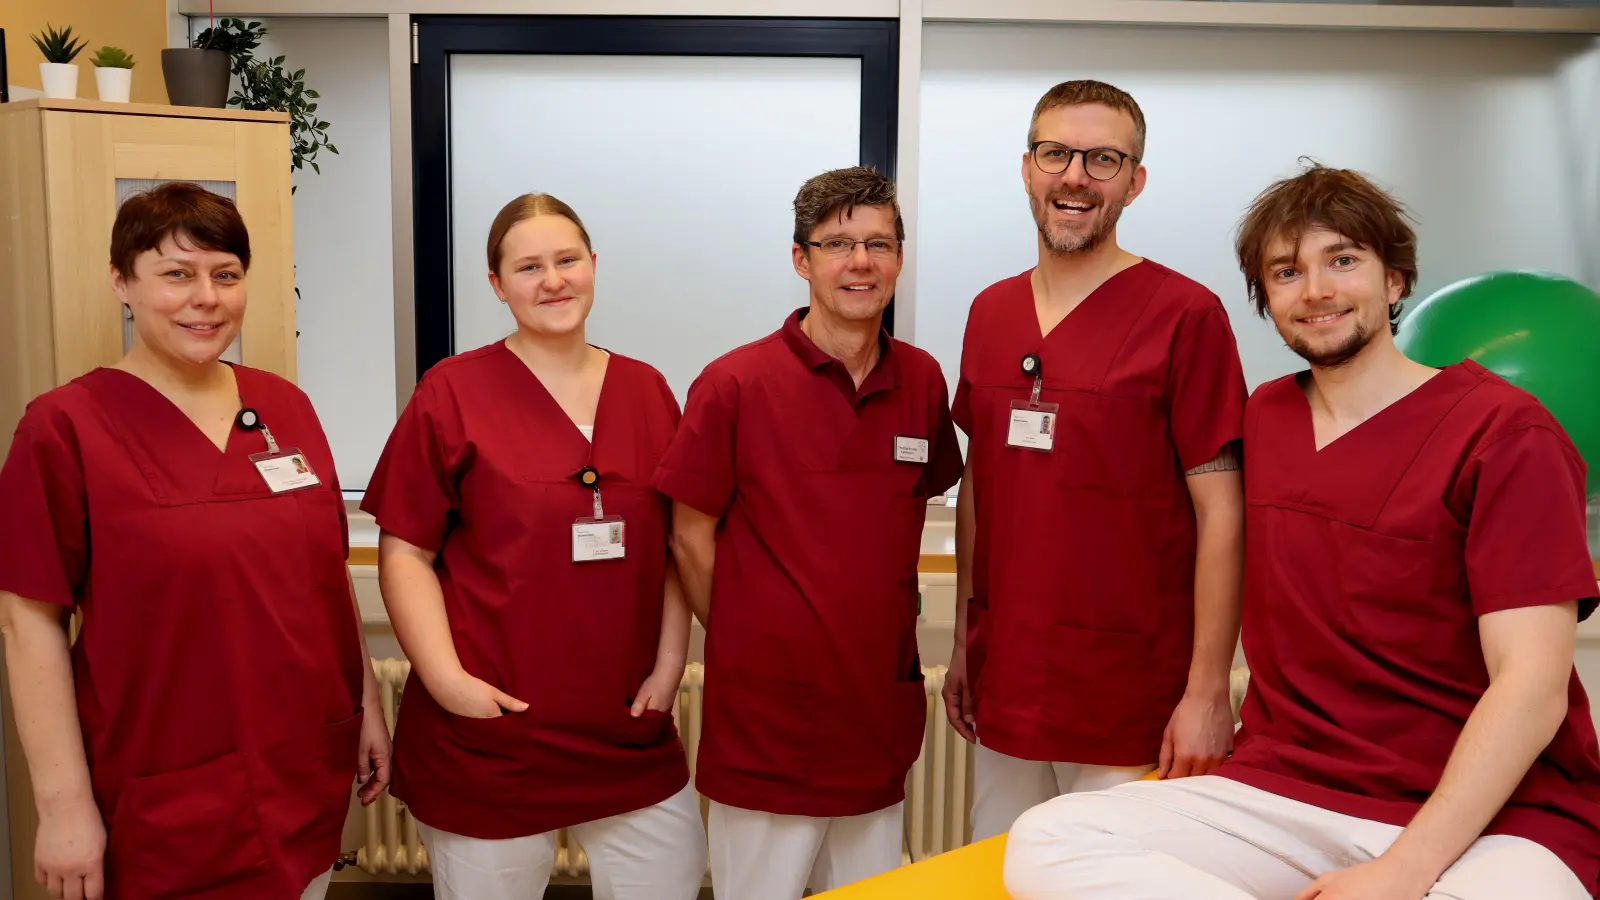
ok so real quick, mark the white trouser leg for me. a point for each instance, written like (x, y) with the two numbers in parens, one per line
(1210, 838)
(1073, 778)
(761, 856)
(467, 868)
(859, 847)
(1499, 866)
(655, 853)
(318, 888)
(1003, 788)
(1195, 838)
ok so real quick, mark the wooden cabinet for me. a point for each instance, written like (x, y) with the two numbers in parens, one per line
(65, 167)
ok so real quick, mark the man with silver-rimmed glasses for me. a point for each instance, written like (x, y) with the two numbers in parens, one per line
(1099, 567)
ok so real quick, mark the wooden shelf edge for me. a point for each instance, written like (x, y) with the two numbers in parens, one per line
(929, 562)
(827, 9)
(1229, 13)
(145, 109)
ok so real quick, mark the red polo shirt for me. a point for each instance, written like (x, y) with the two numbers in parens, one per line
(1368, 564)
(814, 701)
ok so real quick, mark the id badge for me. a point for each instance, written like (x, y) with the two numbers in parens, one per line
(286, 470)
(1033, 426)
(910, 449)
(597, 539)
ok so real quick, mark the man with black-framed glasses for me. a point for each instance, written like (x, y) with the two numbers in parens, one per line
(1098, 561)
(800, 476)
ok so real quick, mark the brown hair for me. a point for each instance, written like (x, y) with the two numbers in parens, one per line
(1340, 200)
(529, 206)
(840, 192)
(1083, 93)
(177, 210)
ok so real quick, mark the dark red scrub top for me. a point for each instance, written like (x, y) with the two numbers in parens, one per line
(481, 468)
(814, 700)
(218, 671)
(1081, 627)
(1368, 564)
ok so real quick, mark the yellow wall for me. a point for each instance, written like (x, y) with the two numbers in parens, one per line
(137, 26)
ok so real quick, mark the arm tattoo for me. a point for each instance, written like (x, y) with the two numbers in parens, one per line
(1226, 460)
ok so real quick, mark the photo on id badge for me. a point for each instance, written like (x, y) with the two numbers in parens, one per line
(285, 471)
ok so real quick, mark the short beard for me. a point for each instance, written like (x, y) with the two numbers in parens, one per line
(1110, 212)
(1337, 356)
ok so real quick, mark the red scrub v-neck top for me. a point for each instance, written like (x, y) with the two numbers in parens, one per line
(218, 671)
(814, 698)
(482, 469)
(1081, 625)
(1368, 564)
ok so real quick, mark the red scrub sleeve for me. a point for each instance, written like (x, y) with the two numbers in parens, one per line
(947, 464)
(961, 408)
(1205, 388)
(413, 490)
(697, 469)
(344, 515)
(1526, 542)
(44, 511)
(669, 400)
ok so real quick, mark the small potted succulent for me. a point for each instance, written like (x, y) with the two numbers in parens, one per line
(113, 74)
(57, 75)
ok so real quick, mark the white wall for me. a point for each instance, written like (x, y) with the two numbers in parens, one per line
(342, 236)
(1435, 117)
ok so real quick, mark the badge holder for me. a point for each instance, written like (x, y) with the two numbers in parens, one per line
(1033, 424)
(600, 537)
(282, 470)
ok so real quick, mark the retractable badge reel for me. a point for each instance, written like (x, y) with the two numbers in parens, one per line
(1033, 424)
(600, 537)
(282, 470)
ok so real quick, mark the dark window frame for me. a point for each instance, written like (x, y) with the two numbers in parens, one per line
(873, 41)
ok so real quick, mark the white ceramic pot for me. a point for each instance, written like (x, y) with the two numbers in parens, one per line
(60, 80)
(113, 84)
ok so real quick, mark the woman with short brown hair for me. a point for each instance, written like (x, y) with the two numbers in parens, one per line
(201, 735)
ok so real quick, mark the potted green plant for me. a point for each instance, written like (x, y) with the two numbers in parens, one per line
(198, 75)
(267, 85)
(57, 75)
(113, 74)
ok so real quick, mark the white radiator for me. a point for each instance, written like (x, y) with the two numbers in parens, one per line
(938, 798)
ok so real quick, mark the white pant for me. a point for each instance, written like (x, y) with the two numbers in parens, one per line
(763, 856)
(318, 888)
(1211, 838)
(655, 853)
(1005, 787)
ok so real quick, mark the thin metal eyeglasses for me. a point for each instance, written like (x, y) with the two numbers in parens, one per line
(1099, 163)
(841, 247)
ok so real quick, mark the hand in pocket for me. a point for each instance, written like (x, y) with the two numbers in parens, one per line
(475, 698)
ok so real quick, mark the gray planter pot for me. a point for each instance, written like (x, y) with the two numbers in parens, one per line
(195, 77)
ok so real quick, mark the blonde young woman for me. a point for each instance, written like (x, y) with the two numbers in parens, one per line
(524, 563)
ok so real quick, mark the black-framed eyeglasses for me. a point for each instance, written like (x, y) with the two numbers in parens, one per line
(841, 247)
(1099, 163)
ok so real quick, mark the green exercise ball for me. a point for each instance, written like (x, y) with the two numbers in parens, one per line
(1537, 330)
